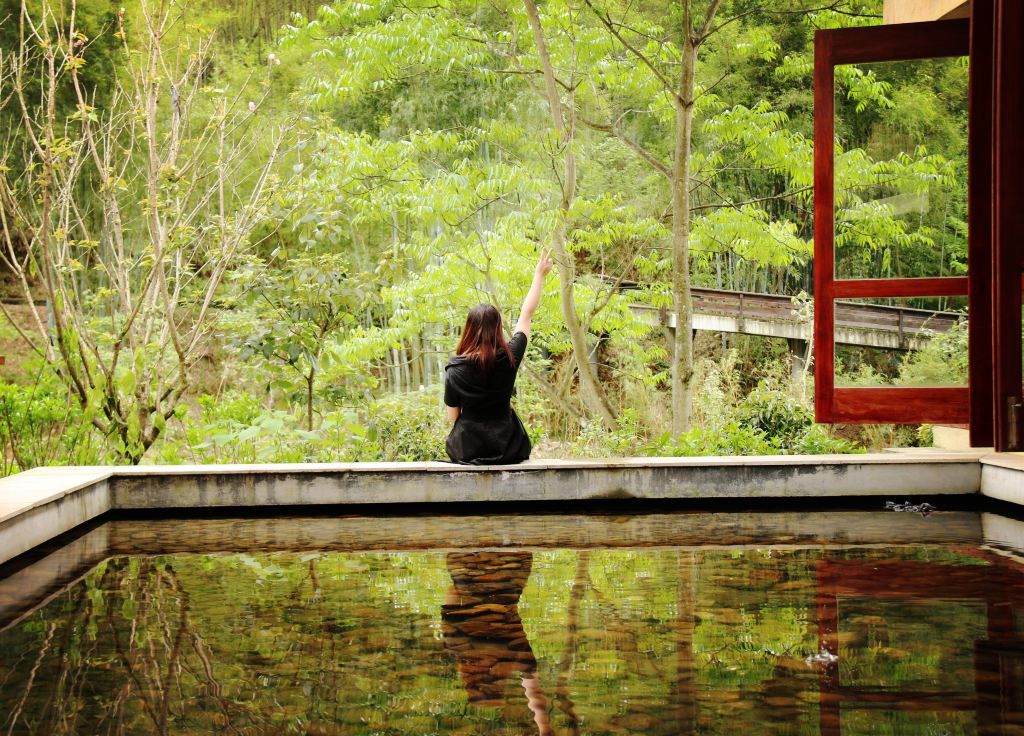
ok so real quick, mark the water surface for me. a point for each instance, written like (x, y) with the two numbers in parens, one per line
(654, 624)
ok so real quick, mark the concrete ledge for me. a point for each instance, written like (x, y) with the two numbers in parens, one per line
(42, 486)
(1002, 477)
(649, 478)
(40, 504)
(903, 456)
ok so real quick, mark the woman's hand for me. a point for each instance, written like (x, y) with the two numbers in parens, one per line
(544, 263)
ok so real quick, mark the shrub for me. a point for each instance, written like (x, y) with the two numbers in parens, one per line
(731, 438)
(594, 440)
(816, 440)
(774, 413)
(236, 428)
(409, 426)
(41, 425)
(941, 362)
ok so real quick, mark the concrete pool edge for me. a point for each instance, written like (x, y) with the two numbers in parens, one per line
(40, 504)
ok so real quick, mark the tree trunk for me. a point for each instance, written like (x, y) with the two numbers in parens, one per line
(310, 383)
(415, 361)
(682, 354)
(593, 395)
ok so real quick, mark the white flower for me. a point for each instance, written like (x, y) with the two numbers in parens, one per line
(252, 106)
(272, 57)
(277, 61)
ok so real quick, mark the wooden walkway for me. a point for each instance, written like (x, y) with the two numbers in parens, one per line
(770, 315)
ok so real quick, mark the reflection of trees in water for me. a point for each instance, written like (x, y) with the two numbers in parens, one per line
(143, 615)
(123, 653)
(347, 644)
(653, 695)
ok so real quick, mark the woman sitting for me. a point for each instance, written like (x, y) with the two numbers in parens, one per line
(480, 380)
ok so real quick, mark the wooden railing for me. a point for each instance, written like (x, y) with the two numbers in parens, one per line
(869, 325)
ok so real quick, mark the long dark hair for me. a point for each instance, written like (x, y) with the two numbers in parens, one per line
(482, 338)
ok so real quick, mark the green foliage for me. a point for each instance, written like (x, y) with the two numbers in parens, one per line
(127, 206)
(819, 440)
(775, 414)
(941, 362)
(238, 428)
(594, 440)
(735, 438)
(39, 425)
(295, 309)
(411, 426)
(725, 439)
(769, 420)
(419, 182)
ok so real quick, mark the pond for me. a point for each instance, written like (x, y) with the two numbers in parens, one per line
(667, 623)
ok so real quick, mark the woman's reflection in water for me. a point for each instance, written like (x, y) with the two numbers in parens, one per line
(481, 626)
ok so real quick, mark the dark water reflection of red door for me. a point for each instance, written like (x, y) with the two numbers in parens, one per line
(996, 695)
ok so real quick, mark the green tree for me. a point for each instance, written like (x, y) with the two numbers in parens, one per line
(298, 307)
(130, 275)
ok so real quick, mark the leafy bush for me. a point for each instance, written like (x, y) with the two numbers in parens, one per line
(941, 362)
(410, 426)
(816, 440)
(717, 390)
(769, 420)
(735, 438)
(728, 439)
(40, 425)
(774, 413)
(237, 428)
(596, 441)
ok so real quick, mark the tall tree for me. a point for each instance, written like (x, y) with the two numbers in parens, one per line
(693, 30)
(565, 132)
(183, 176)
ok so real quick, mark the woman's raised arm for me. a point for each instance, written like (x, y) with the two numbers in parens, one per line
(544, 264)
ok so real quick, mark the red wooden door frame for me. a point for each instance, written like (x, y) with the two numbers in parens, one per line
(870, 405)
(979, 225)
(1007, 212)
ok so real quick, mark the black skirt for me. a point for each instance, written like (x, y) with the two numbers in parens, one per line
(492, 441)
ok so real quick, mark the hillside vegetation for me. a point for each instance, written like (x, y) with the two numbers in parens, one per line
(246, 233)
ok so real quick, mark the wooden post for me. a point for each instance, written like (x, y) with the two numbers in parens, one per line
(1007, 218)
(979, 227)
(824, 228)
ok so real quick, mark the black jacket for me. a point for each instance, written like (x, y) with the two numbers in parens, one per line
(487, 432)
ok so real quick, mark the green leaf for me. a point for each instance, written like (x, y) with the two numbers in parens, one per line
(126, 382)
